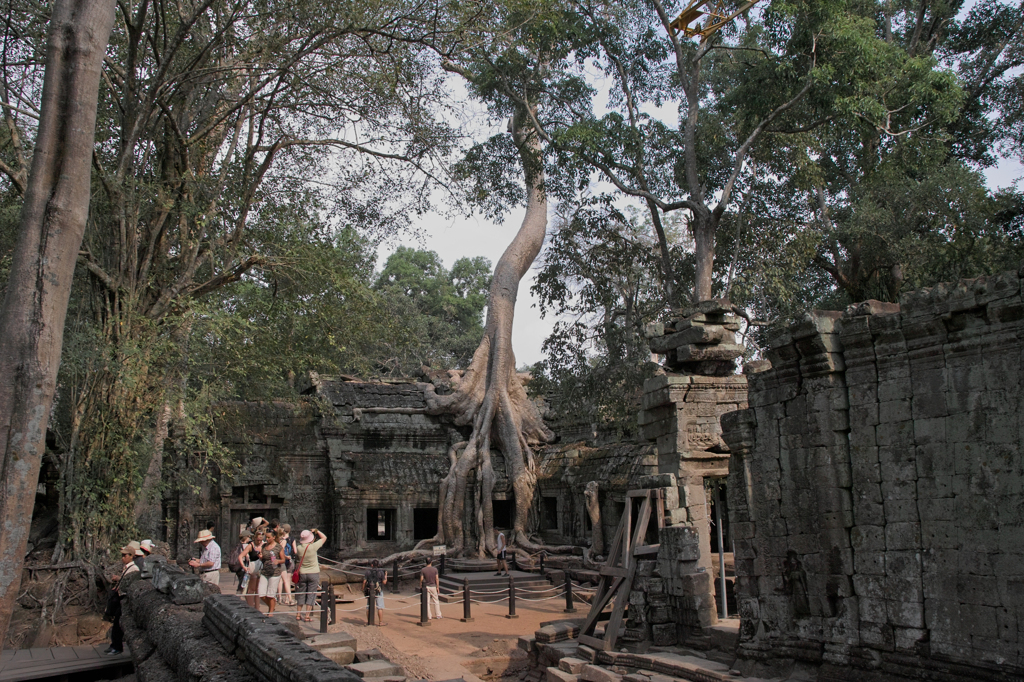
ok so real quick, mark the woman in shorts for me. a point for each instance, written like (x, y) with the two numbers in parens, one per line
(270, 574)
(309, 572)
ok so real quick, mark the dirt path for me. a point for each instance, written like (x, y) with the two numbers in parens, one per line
(445, 648)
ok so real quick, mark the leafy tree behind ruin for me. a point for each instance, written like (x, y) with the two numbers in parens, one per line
(599, 278)
(441, 310)
(213, 118)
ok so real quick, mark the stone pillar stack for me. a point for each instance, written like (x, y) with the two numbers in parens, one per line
(681, 411)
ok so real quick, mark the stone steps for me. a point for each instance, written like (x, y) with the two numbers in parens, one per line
(380, 670)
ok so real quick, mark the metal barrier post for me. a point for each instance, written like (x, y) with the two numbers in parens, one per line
(569, 608)
(542, 563)
(424, 618)
(394, 583)
(511, 598)
(371, 607)
(442, 564)
(324, 613)
(333, 599)
(467, 614)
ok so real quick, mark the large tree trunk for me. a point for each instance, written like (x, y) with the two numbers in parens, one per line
(53, 220)
(490, 396)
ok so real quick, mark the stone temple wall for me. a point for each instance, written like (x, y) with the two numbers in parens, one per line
(876, 490)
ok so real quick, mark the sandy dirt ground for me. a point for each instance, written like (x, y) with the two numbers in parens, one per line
(447, 648)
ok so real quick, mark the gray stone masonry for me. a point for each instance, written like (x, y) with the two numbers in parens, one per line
(876, 490)
(681, 412)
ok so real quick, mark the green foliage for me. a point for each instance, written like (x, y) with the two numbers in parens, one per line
(599, 275)
(441, 311)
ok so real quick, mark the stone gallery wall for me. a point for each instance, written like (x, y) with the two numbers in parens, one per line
(876, 490)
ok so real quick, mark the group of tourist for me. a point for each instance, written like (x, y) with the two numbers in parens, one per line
(133, 559)
(267, 561)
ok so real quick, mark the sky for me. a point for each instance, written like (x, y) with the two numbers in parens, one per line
(475, 236)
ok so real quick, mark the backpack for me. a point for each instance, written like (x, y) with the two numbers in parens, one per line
(373, 580)
(233, 564)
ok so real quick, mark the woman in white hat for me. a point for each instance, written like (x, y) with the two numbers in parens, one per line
(208, 562)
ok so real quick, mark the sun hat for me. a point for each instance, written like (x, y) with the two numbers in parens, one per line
(286, 527)
(306, 537)
(245, 534)
(147, 546)
(203, 535)
(131, 548)
(257, 522)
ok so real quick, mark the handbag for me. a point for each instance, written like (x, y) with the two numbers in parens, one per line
(295, 574)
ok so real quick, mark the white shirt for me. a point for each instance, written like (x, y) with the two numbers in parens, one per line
(211, 553)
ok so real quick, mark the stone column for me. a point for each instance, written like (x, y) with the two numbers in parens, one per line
(681, 411)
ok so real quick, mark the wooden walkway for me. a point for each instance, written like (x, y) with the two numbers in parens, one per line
(64, 662)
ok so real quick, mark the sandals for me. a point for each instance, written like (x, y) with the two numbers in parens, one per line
(308, 619)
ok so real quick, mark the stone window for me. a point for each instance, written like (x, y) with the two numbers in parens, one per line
(424, 523)
(380, 524)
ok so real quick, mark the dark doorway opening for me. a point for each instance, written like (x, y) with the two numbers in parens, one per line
(716, 498)
(651, 537)
(424, 523)
(549, 513)
(504, 510)
(380, 524)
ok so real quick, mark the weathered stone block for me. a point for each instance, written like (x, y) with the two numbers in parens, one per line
(342, 655)
(331, 640)
(664, 634)
(571, 664)
(375, 669)
(553, 674)
(596, 673)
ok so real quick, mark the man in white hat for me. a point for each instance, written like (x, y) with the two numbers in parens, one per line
(208, 562)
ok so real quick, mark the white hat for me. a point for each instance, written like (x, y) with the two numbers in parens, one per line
(132, 548)
(203, 535)
(147, 546)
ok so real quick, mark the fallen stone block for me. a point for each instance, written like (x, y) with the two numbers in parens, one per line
(556, 675)
(571, 664)
(186, 589)
(595, 673)
(332, 640)
(289, 624)
(375, 669)
(586, 653)
(342, 655)
(557, 632)
(364, 655)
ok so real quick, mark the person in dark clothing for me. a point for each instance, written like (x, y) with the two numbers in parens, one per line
(374, 581)
(117, 596)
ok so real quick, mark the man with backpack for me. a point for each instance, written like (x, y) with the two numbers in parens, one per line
(374, 581)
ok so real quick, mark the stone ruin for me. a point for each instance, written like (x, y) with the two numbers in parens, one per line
(877, 491)
(874, 484)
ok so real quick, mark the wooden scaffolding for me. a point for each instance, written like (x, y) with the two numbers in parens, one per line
(628, 547)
